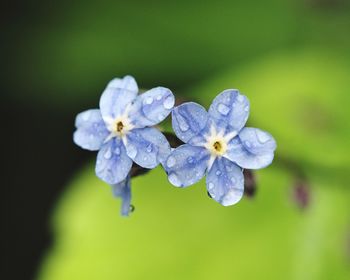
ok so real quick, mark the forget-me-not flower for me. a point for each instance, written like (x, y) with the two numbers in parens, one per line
(121, 130)
(217, 144)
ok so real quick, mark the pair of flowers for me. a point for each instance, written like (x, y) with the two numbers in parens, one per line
(216, 142)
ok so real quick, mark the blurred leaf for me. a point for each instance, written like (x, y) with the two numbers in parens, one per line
(182, 234)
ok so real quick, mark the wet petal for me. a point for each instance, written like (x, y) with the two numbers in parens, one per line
(252, 148)
(91, 130)
(186, 165)
(123, 190)
(225, 182)
(231, 107)
(188, 120)
(152, 107)
(257, 141)
(113, 164)
(147, 146)
(117, 96)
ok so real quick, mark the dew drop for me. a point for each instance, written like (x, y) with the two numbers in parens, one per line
(171, 161)
(190, 159)
(174, 180)
(182, 123)
(149, 100)
(246, 108)
(233, 180)
(210, 187)
(159, 97)
(117, 151)
(169, 102)
(149, 148)
(247, 144)
(108, 154)
(240, 98)
(132, 151)
(223, 109)
(262, 136)
(160, 117)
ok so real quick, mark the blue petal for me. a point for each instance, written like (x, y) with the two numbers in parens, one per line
(123, 190)
(118, 94)
(252, 148)
(225, 182)
(91, 130)
(188, 120)
(152, 107)
(147, 146)
(232, 107)
(128, 83)
(113, 164)
(186, 165)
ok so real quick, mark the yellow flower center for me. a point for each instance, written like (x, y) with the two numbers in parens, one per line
(217, 146)
(119, 126)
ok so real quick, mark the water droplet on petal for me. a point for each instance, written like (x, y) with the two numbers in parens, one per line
(149, 100)
(171, 161)
(149, 148)
(132, 151)
(210, 187)
(182, 123)
(117, 151)
(233, 180)
(108, 154)
(246, 108)
(262, 136)
(159, 97)
(240, 98)
(169, 102)
(218, 173)
(247, 144)
(174, 180)
(190, 159)
(161, 117)
(223, 109)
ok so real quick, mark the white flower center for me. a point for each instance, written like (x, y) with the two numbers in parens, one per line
(217, 143)
(120, 126)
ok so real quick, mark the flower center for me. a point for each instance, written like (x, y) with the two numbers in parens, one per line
(119, 126)
(217, 146)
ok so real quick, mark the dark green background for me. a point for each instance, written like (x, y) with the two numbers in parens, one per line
(292, 60)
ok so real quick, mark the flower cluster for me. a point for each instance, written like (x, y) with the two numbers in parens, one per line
(216, 142)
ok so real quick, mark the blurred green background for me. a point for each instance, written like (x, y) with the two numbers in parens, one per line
(291, 58)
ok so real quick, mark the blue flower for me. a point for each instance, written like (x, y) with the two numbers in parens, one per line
(218, 145)
(121, 130)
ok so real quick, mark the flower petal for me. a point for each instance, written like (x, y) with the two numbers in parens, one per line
(123, 190)
(188, 120)
(225, 182)
(147, 146)
(91, 130)
(186, 165)
(252, 148)
(128, 83)
(152, 107)
(257, 141)
(231, 107)
(113, 164)
(118, 94)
